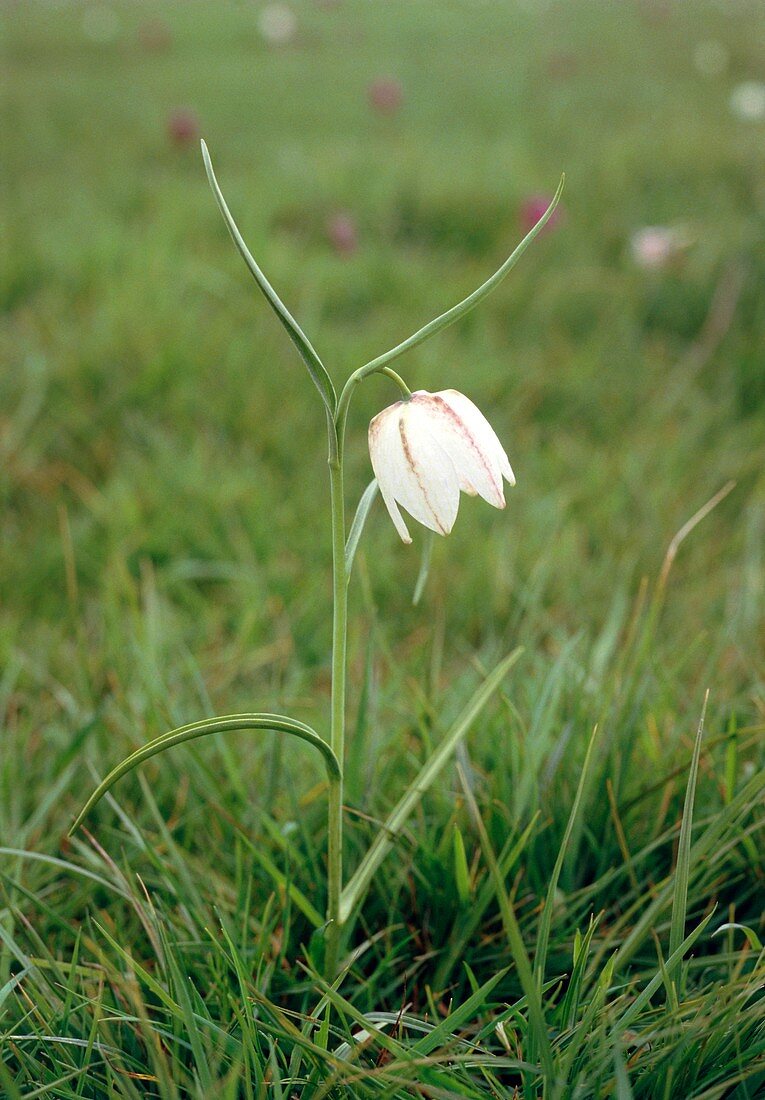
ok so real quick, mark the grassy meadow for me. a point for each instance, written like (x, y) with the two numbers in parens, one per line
(165, 552)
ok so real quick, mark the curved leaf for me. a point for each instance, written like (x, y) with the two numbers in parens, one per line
(472, 300)
(366, 502)
(754, 940)
(306, 350)
(279, 723)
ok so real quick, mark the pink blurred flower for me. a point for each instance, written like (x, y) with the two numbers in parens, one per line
(532, 210)
(155, 35)
(182, 126)
(385, 95)
(342, 233)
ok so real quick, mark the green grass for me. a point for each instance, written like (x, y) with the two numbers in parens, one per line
(165, 556)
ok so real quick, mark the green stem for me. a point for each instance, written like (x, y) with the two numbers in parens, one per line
(337, 717)
(340, 575)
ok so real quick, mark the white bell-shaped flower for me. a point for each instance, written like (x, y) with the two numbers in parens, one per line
(426, 449)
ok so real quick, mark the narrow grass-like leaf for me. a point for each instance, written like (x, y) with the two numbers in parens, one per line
(384, 840)
(670, 988)
(438, 1081)
(623, 1089)
(187, 1016)
(683, 868)
(445, 1031)
(570, 1007)
(538, 1032)
(472, 300)
(719, 825)
(151, 982)
(67, 867)
(277, 722)
(284, 884)
(674, 960)
(306, 350)
(357, 527)
(12, 982)
(545, 923)
(752, 938)
(581, 1033)
(422, 576)
(465, 930)
(461, 873)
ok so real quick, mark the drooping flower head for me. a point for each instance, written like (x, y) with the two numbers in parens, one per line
(747, 101)
(655, 246)
(277, 24)
(343, 233)
(183, 126)
(427, 449)
(385, 95)
(533, 209)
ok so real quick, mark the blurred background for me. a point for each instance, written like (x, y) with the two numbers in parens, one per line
(165, 544)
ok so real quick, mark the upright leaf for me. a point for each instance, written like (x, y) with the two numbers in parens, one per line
(683, 868)
(306, 350)
(385, 839)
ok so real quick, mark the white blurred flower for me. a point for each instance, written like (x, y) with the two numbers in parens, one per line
(277, 23)
(747, 101)
(426, 449)
(655, 245)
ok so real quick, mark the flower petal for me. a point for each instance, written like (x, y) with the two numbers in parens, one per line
(386, 454)
(465, 408)
(472, 443)
(398, 519)
(427, 481)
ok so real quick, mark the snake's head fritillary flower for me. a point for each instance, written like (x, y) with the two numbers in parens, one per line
(385, 95)
(343, 234)
(747, 101)
(277, 24)
(183, 126)
(655, 246)
(427, 449)
(532, 210)
(155, 35)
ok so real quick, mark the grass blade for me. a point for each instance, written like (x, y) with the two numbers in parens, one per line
(674, 960)
(545, 923)
(383, 842)
(537, 1027)
(446, 1030)
(683, 868)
